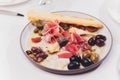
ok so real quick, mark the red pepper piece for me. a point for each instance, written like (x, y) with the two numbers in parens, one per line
(65, 55)
(36, 39)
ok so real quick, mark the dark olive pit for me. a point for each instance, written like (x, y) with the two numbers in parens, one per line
(62, 41)
(37, 54)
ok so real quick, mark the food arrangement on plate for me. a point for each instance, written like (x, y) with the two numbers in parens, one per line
(63, 42)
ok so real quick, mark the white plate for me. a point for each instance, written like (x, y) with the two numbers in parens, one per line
(105, 31)
(11, 2)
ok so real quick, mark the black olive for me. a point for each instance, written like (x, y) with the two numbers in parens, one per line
(40, 28)
(36, 50)
(73, 65)
(86, 62)
(75, 58)
(64, 26)
(100, 42)
(91, 41)
(37, 56)
(29, 52)
(43, 55)
(100, 37)
(62, 41)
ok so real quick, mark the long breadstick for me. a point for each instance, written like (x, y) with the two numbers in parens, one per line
(34, 15)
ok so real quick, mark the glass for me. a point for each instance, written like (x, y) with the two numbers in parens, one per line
(44, 2)
(45, 5)
(114, 9)
(54, 5)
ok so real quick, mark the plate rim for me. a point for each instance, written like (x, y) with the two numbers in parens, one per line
(13, 4)
(76, 71)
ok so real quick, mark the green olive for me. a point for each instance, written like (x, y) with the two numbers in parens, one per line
(39, 25)
(36, 30)
(94, 57)
(40, 32)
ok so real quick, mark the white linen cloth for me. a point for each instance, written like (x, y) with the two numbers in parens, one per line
(114, 9)
(15, 66)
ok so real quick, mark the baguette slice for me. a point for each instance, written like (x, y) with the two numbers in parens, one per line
(34, 15)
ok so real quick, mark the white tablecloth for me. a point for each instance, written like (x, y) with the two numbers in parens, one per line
(15, 66)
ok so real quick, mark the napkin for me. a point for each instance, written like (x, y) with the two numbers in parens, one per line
(114, 9)
(5, 1)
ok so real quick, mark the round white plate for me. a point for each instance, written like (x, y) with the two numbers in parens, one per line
(105, 31)
(11, 2)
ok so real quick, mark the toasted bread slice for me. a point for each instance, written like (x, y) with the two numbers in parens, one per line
(34, 15)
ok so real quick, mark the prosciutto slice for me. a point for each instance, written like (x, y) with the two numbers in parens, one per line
(75, 38)
(52, 28)
(73, 48)
(65, 55)
(51, 31)
(50, 38)
(76, 42)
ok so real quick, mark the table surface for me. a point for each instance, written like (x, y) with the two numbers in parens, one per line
(15, 66)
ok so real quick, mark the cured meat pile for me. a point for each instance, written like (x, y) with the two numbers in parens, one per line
(66, 42)
(53, 31)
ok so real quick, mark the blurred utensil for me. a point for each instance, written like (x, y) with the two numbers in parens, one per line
(11, 13)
